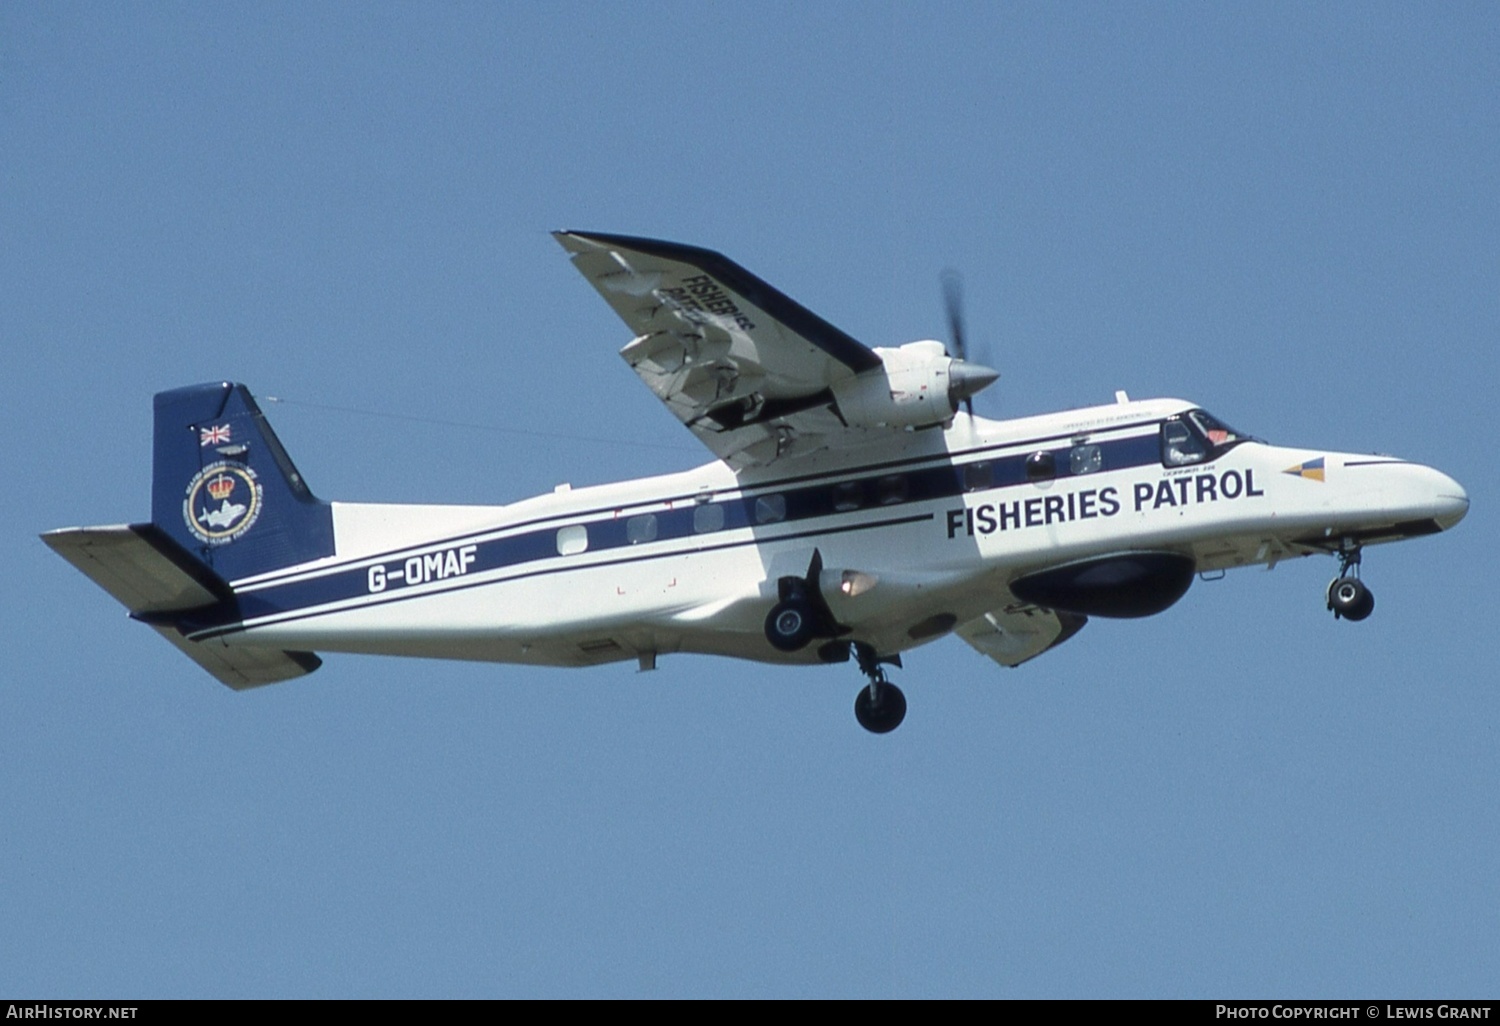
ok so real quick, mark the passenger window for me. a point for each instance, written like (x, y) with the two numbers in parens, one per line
(770, 509)
(1041, 466)
(572, 540)
(848, 495)
(891, 489)
(641, 529)
(708, 518)
(978, 476)
(1179, 446)
(1085, 459)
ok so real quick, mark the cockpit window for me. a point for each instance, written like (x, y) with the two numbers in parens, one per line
(1180, 445)
(1216, 431)
(1194, 437)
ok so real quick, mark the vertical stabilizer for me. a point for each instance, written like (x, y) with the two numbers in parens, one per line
(225, 489)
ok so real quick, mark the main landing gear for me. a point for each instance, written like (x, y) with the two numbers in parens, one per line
(1347, 595)
(802, 614)
(880, 706)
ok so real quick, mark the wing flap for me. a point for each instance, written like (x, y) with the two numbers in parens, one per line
(1013, 634)
(150, 575)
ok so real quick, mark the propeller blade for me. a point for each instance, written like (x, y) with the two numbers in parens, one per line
(953, 301)
(966, 378)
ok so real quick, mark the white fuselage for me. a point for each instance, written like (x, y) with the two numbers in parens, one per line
(936, 523)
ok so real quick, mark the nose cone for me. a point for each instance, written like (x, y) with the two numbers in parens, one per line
(1386, 498)
(1450, 502)
(1415, 492)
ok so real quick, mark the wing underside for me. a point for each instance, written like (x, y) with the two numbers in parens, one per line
(747, 369)
(1013, 634)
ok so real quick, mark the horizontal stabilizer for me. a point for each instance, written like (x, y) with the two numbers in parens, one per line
(153, 577)
(135, 563)
(1014, 634)
(242, 667)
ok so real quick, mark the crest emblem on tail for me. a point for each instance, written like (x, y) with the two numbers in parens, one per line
(223, 502)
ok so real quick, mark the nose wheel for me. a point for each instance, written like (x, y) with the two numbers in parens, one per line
(880, 706)
(1347, 595)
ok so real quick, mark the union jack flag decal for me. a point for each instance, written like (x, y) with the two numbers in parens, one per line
(213, 435)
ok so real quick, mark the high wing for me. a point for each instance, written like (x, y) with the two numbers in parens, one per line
(750, 372)
(1013, 634)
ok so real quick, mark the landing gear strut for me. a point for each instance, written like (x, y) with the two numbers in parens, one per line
(880, 706)
(1347, 595)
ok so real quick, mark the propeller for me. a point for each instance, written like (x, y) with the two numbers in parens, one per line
(965, 379)
(953, 302)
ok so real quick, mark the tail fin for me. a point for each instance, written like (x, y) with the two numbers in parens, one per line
(224, 488)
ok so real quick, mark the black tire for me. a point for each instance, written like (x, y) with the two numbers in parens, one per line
(884, 712)
(1350, 599)
(789, 626)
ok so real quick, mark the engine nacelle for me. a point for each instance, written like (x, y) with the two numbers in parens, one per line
(911, 388)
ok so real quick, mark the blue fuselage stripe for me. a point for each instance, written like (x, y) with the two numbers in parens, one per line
(459, 560)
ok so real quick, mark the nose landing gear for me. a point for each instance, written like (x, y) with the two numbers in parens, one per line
(1347, 595)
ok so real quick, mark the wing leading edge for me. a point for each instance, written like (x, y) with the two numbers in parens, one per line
(749, 370)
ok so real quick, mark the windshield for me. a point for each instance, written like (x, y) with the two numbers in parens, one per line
(1196, 436)
(1216, 431)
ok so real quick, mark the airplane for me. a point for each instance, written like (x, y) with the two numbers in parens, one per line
(856, 508)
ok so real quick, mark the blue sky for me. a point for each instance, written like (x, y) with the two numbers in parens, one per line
(1285, 212)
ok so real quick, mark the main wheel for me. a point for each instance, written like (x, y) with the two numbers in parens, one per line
(884, 712)
(1349, 598)
(789, 626)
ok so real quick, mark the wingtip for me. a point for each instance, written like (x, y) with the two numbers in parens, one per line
(573, 241)
(659, 247)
